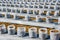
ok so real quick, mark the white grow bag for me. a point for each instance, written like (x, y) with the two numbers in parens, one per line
(54, 35)
(33, 32)
(2, 29)
(42, 33)
(11, 29)
(21, 31)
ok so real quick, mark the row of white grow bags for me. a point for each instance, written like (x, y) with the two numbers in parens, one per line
(21, 31)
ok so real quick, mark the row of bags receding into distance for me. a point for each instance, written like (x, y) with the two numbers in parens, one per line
(21, 32)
